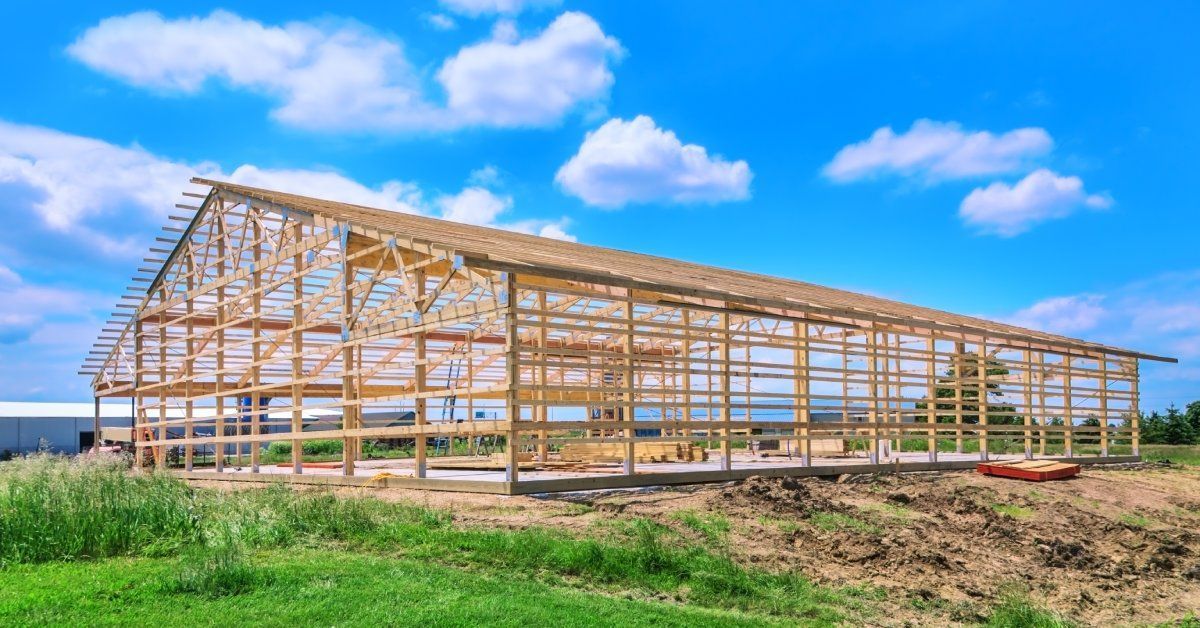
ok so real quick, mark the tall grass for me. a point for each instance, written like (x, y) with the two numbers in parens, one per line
(52, 508)
(59, 509)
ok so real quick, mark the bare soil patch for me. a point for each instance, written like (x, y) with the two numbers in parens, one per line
(1113, 546)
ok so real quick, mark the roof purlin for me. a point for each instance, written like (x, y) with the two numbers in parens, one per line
(473, 244)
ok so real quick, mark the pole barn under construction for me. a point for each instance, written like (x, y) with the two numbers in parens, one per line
(456, 357)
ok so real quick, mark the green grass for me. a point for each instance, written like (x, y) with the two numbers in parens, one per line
(325, 587)
(787, 526)
(1017, 611)
(1012, 510)
(213, 529)
(1178, 454)
(714, 527)
(1134, 519)
(833, 521)
(90, 508)
(888, 511)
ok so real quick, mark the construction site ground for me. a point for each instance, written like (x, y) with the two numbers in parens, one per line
(1117, 545)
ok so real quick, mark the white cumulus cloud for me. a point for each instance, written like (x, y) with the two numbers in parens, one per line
(440, 22)
(530, 82)
(1068, 315)
(937, 151)
(475, 8)
(339, 75)
(86, 187)
(1008, 210)
(637, 162)
(1158, 315)
(476, 205)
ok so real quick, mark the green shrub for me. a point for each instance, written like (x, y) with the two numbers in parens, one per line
(324, 447)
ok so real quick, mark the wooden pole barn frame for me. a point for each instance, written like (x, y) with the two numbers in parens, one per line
(277, 317)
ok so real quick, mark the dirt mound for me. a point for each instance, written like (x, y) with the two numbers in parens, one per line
(1110, 547)
(957, 540)
(786, 496)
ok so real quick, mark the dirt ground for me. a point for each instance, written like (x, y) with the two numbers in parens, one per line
(1113, 546)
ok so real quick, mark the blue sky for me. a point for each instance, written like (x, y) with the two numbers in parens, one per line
(1025, 162)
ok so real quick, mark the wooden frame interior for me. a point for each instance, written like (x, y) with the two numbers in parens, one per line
(276, 317)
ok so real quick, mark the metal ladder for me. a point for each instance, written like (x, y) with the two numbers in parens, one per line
(448, 405)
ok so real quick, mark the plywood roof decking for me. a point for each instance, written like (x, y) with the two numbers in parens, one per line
(545, 254)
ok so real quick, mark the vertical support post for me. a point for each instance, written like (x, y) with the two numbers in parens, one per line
(686, 379)
(470, 392)
(873, 393)
(512, 376)
(348, 414)
(160, 461)
(894, 389)
(1103, 381)
(1068, 414)
(1041, 414)
(542, 408)
(139, 342)
(1135, 418)
(219, 424)
(297, 351)
(1027, 389)
(189, 407)
(931, 394)
(420, 384)
(96, 427)
(630, 386)
(960, 349)
(726, 406)
(256, 342)
(800, 412)
(982, 401)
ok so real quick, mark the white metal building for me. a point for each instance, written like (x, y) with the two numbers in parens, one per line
(59, 427)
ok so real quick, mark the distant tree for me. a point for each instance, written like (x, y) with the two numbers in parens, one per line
(998, 414)
(1177, 430)
(1192, 412)
(1153, 428)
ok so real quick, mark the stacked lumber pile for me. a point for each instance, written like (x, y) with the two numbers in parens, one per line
(642, 452)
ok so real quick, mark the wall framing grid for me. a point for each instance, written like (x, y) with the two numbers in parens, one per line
(276, 317)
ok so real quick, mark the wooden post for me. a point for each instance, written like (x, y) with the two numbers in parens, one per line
(189, 430)
(348, 399)
(160, 461)
(297, 351)
(1135, 411)
(1041, 415)
(931, 392)
(726, 394)
(1103, 380)
(96, 427)
(1068, 413)
(542, 408)
(800, 412)
(630, 386)
(256, 343)
(981, 374)
(420, 384)
(139, 342)
(686, 390)
(873, 393)
(1027, 388)
(219, 423)
(512, 377)
(960, 349)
